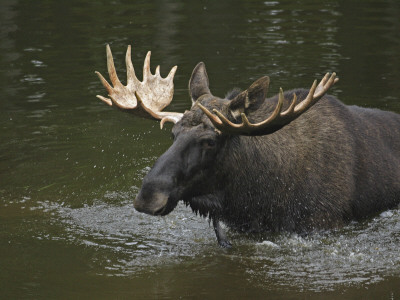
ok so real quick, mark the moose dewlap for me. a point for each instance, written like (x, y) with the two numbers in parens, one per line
(299, 161)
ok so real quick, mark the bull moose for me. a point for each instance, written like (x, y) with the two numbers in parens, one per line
(298, 162)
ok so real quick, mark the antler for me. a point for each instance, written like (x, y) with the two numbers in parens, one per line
(277, 119)
(152, 94)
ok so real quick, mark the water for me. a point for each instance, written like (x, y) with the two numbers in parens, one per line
(70, 166)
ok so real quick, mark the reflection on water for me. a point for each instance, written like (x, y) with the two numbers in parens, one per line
(70, 166)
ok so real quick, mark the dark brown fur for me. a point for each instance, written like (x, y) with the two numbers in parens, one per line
(333, 164)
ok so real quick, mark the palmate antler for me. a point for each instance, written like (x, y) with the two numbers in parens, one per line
(152, 94)
(277, 119)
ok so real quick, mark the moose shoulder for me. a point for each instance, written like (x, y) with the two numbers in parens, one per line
(299, 161)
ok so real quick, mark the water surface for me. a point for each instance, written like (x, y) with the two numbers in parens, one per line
(70, 166)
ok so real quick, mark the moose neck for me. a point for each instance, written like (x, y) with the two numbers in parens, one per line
(252, 167)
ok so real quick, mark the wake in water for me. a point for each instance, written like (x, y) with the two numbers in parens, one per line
(131, 243)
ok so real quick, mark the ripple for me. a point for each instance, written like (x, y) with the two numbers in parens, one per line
(137, 241)
(33, 79)
(359, 254)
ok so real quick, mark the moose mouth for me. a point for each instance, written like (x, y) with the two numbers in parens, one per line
(158, 205)
(163, 211)
(169, 207)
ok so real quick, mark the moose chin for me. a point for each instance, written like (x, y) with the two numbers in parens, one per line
(299, 161)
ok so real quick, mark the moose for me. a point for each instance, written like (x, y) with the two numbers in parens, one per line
(300, 161)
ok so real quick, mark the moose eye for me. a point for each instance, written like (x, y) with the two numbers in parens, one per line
(208, 144)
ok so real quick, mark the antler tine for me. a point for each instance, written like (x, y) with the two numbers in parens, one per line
(146, 67)
(290, 110)
(308, 101)
(171, 117)
(322, 82)
(104, 99)
(325, 84)
(157, 71)
(130, 70)
(225, 120)
(278, 108)
(111, 68)
(104, 82)
(214, 119)
(171, 74)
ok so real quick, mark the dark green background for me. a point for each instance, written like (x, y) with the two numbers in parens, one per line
(70, 166)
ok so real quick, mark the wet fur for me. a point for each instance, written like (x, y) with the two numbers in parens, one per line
(333, 164)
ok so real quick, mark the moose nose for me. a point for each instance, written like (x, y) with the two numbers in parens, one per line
(138, 204)
(153, 205)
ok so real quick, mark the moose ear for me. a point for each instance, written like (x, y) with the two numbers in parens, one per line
(250, 98)
(198, 84)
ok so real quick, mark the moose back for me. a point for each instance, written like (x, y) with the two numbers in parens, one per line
(299, 161)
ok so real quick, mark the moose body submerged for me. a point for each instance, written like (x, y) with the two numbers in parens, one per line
(299, 161)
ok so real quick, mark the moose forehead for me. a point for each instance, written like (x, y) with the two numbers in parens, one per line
(195, 116)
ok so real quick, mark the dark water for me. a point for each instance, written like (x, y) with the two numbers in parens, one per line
(70, 166)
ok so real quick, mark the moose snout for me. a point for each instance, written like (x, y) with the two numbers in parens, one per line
(153, 205)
